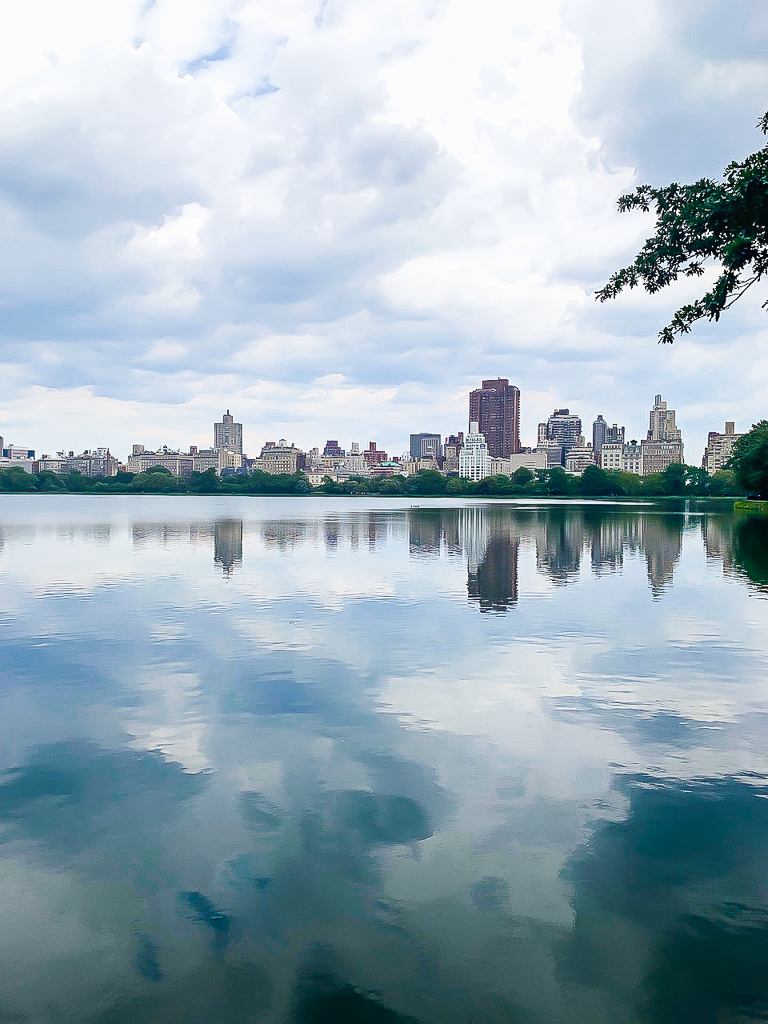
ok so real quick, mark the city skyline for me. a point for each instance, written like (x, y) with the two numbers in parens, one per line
(564, 430)
(396, 440)
(560, 425)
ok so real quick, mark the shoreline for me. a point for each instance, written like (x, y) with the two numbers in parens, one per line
(737, 503)
(751, 506)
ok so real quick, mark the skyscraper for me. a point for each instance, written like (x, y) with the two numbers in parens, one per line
(599, 430)
(228, 434)
(564, 427)
(496, 409)
(664, 444)
(662, 423)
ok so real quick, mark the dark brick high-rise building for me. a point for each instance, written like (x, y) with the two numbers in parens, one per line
(496, 408)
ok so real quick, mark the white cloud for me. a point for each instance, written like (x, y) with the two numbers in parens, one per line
(257, 195)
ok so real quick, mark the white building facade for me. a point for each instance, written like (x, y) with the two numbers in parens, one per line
(474, 460)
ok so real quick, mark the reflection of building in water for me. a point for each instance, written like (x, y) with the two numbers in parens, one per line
(451, 533)
(473, 535)
(717, 534)
(433, 530)
(228, 544)
(286, 534)
(663, 542)
(494, 583)
(608, 539)
(558, 553)
(378, 525)
(425, 530)
(331, 534)
(164, 534)
(611, 534)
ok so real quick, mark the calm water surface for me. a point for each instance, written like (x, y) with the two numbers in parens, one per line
(329, 760)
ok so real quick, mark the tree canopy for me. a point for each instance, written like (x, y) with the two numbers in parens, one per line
(749, 460)
(725, 222)
(676, 480)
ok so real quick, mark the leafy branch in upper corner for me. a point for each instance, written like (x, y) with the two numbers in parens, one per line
(725, 221)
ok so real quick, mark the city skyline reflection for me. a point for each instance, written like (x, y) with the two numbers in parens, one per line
(489, 538)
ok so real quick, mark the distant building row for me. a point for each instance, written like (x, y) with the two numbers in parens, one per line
(491, 447)
(560, 442)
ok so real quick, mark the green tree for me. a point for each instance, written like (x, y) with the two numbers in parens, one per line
(426, 481)
(749, 460)
(488, 485)
(76, 482)
(204, 483)
(522, 477)
(625, 483)
(595, 481)
(557, 481)
(392, 485)
(49, 481)
(152, 482)
(674, 479)
(15, 479)
(725, 222)
(723, 484)
(651, 484)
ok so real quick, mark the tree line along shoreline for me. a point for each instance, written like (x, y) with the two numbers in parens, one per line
(676, 481)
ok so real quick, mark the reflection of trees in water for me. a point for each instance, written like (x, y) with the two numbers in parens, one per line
(670, 910)
(228, 544)
(322, 998)
(750, 550)
(741, 544)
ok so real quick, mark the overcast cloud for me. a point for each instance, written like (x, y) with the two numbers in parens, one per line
(334, 218)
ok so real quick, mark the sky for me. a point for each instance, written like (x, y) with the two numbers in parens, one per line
(336, 218)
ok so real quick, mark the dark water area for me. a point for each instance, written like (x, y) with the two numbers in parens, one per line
(330, 761)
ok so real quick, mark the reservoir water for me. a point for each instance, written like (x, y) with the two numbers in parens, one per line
(331, 761)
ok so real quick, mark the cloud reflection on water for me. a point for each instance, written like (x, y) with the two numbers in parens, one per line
(409, 811)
